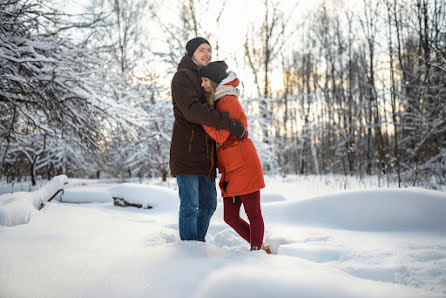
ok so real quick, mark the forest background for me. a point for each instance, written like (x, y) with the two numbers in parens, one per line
(335, 87)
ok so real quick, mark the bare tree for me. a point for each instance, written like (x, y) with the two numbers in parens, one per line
(190, 23)
(262, 47)
(391, 11)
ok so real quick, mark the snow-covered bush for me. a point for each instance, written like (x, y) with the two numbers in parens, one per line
(17, 208)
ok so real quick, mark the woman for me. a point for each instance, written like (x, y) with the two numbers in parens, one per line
(238, 162)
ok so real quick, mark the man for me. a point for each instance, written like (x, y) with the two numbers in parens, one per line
(192, 152)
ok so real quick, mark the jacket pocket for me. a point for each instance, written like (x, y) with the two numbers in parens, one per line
(231, 158)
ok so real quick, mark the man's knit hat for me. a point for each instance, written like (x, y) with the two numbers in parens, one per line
(194, 43)
(215, 71)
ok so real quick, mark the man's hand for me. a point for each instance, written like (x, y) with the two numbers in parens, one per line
(237, 129)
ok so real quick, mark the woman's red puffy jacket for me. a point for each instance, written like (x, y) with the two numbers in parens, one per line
(238, 161)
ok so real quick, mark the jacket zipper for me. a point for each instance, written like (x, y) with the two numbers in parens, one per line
(191, 137)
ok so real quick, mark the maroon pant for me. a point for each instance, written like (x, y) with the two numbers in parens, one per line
(252, 232)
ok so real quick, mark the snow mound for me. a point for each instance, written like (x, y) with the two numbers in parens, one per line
(390, 209)
(17, 208)
(287, 278)
(270, 198)
(146, 195)
(78, 195)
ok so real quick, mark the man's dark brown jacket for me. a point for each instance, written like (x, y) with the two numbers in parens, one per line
(192, 151)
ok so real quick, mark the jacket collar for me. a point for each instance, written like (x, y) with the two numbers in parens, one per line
(187, 63)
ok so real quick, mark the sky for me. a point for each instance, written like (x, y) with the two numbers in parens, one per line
(236, 20)
(231, 32)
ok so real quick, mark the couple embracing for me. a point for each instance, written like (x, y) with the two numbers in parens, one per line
(210, 130)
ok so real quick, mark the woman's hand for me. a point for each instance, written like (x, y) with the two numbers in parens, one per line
(237, 129)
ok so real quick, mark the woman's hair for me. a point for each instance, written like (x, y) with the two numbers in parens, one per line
(210, 96)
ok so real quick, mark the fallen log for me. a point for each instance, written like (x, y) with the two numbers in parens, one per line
(123, 203)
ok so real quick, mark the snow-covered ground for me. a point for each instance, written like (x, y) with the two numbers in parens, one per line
(332, 238)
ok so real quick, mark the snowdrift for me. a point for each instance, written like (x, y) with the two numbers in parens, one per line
(130, 252)
(83, 194)
(289, 278)
(372, 210)
(146, 195)
(17, 208)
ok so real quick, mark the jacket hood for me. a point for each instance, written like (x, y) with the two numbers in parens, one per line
(231, 79)
(228, 86)
(187, 63)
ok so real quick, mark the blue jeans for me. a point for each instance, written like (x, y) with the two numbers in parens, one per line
(198, 201)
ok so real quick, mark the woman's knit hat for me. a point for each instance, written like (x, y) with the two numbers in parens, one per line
(194, 43)
(215, 71)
